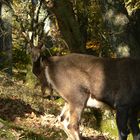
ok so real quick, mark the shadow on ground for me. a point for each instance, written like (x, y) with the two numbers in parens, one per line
(95, 138)
(12, 108)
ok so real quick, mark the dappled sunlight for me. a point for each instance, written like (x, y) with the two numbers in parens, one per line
(120, 19)
(123, 50)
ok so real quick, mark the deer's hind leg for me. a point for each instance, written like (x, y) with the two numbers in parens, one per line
(75, 108)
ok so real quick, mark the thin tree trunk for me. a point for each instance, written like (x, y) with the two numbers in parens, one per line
(117, 24)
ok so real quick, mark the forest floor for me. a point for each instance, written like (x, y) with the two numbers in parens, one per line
(26, 115)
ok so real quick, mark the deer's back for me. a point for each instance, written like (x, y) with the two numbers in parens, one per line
(114, 81)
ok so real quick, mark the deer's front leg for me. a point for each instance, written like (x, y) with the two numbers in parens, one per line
(122, 121)
(133, 123)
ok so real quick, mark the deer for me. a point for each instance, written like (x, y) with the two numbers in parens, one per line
(84, 80)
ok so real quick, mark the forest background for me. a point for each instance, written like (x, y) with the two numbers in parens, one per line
(104, 28)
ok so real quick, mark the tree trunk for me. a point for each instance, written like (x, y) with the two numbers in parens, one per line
(117, 25)
(68, 25)
(6, 38)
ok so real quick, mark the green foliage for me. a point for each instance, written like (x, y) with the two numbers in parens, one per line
(28, 31)
(96, 30)
(26, 19)
(97, 42)
(28, 27)
(20, 58)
